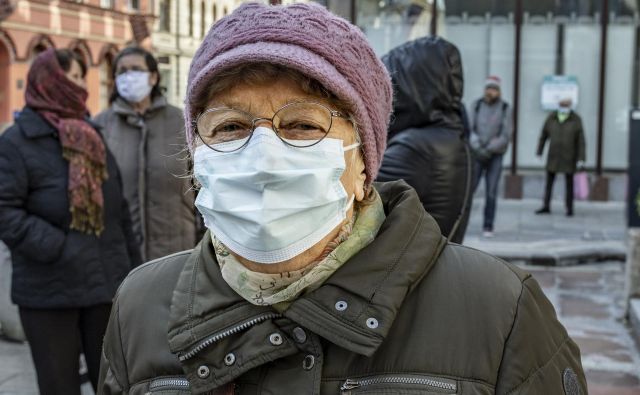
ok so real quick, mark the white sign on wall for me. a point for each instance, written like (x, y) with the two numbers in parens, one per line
(556, 88)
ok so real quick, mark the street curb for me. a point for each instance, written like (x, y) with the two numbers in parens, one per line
(634, 319)
(553, 253)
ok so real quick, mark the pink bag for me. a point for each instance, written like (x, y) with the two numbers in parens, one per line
(581, 185)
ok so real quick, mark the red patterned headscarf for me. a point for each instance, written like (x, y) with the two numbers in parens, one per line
(62, 103)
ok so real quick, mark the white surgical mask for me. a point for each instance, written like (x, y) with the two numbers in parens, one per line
(269, 202)
(133, 86)
(564, 110)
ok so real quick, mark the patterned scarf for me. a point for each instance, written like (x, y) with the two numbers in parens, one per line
(62, 104)
(279, 290)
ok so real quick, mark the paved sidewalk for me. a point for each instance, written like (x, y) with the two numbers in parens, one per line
(597, 232)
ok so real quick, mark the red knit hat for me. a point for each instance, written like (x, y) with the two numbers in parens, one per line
(492, 81)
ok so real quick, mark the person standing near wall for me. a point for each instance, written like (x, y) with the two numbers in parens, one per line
(428, 148)
(66, 222)
(563, 129)
(144, 133)
(491, 129)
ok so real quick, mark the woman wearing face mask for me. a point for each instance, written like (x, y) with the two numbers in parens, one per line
(312, 279)
(144, 133)
(65, 221)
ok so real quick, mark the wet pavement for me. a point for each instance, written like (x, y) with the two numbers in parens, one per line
(589, 302)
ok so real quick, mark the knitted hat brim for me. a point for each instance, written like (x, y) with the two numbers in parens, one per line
(296, 58)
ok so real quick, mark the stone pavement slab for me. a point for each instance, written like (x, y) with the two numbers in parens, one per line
(597, 232)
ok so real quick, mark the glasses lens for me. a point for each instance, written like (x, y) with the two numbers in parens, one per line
(302, 124)
(221, 128)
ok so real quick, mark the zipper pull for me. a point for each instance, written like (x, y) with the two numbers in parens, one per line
(349, 385)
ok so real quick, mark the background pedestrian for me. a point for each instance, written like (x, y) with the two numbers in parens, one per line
(427, 147)
(65, 221)
(563, 129)
(144, 133)
(492, 126)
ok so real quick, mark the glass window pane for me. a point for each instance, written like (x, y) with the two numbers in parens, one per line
(621, 40)
(582, 61)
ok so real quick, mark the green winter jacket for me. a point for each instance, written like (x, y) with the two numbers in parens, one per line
(409, 314)
(566, 143)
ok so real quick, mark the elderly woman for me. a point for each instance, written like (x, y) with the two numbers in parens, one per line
(313, 280)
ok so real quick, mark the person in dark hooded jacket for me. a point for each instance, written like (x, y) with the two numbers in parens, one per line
(426, 146)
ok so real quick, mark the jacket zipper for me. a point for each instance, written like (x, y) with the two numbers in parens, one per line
(231, 331)
(353, 384)
(169, 383)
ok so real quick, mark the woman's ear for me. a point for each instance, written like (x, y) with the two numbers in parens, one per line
(361, 179)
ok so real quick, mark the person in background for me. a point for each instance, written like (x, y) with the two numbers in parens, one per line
(66, 222)
(563, 129)
(312, 278)
(144, 133)
(491, 129)
(427, 147)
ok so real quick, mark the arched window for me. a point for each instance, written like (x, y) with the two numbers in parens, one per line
(190, 18)
(165, 15)
(203, 16)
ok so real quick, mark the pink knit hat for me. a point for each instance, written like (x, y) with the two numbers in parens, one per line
(311, 40)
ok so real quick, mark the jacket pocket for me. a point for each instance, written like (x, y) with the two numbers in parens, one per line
(399, 384)
(169, 386)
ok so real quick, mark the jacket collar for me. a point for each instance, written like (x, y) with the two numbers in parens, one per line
(122, 107)
(33, 125)
(373, 283)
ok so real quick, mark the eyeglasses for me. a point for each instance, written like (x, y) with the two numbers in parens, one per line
(123, 70)
(296, 124)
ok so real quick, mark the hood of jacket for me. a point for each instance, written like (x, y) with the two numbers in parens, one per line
(428, 84)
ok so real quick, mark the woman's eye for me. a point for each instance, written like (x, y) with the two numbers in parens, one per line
(230, 128)
(301, 126)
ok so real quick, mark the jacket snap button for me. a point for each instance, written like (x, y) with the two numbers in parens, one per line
(299, 334)
(203, 372)
(341, 305)
(372, 323)
(308, 362)
(229, 359)
(275, 339)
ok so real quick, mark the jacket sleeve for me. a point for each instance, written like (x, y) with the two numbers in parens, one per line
(580, 143)
(133, 248)
(500, 143)
(539, 357)
(113, 377)
(543, 138)
(24, 233)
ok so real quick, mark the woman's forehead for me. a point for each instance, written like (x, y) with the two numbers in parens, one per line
(263, 98)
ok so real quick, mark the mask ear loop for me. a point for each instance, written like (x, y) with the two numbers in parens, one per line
(350, 147)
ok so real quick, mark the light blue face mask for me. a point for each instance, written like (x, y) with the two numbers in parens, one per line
(269, 202)
(564, 110)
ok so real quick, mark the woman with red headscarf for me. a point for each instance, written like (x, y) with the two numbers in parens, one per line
(65, 220)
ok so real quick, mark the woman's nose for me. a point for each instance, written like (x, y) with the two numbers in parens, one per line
(262, 122)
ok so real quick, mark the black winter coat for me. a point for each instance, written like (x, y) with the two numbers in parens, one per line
(427, 146)
(53, 266)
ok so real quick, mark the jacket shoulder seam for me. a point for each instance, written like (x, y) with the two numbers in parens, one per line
(497, 260)
(533, 374)
(159, 261)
